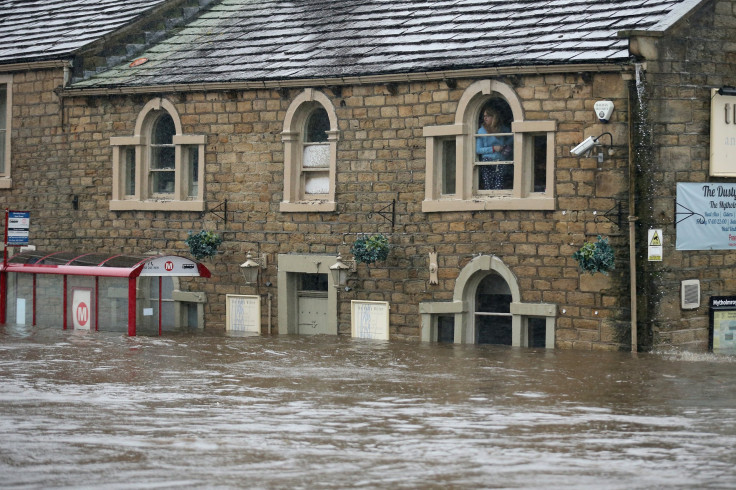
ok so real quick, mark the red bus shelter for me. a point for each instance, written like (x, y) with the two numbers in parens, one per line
(84, 287)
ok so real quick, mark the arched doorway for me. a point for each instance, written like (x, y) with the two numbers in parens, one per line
(492, 320)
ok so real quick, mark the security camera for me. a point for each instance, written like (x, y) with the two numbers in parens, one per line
(584, 147)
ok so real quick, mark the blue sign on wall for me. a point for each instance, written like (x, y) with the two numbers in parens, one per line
(706, 216)
(18, 225)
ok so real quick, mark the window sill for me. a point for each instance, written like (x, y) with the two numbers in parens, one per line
(157, 205)
(492, 204)
(6, 183)
(308, 207)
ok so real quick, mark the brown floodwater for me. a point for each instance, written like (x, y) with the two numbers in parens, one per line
(102, 410)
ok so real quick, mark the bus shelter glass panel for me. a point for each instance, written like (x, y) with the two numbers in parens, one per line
(148, 305)
(49, 299)
(113, 304)
(20, 299)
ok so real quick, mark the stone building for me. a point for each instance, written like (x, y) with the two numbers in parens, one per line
(294, 129)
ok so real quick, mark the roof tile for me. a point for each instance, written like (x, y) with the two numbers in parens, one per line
(261, 40)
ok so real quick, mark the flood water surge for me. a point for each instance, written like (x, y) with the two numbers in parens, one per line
(102, 410)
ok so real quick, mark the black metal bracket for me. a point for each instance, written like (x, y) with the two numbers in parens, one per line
(219, 211)
(616, 212)
(384, 213)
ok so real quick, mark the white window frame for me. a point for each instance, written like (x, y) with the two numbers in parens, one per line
(5, 177)
(143, 198)
(464, 130)
(295, 199)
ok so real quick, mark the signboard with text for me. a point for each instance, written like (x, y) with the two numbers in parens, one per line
(722, 135)
(723, 323)
(369, 319)
(706, 216)
(243, 313)
(18, 225)
(170, 265)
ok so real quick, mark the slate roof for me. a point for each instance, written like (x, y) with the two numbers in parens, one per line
(267, 40)
(39, 30)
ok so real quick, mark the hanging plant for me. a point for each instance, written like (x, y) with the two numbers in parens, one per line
(595, 257)
(203, 244)
(370, 249)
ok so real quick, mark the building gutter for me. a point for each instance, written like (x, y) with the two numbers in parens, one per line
(356, 80)
(35, 65)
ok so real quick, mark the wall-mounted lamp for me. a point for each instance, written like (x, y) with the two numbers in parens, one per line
(587, 145)
(727, 90)
(340, 271)
(251, 267)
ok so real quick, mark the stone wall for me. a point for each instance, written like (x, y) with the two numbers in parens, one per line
(381, 157)
(697, 56)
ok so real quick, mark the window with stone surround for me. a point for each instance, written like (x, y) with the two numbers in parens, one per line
(6, 112)
(486, 308)
(310, 154)
(491, 157)
(158, 167)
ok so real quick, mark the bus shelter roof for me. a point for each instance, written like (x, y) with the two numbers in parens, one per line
(103, 265)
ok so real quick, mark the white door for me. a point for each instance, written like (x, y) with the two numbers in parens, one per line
(312, 309)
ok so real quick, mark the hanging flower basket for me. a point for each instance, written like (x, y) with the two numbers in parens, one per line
(203, 244)
(595, 256)
(370, 249)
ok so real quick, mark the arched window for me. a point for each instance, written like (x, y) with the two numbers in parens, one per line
(493, 169)
(158, 168)
(316, 154)
(310, 154)
(163, 159)
(492, 157)
(487, 309)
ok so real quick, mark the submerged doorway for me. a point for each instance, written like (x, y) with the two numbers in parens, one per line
(307, 298)
(312, 300)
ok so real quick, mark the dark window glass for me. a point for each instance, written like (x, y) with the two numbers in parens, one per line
(540, 163)
(496, 177)
(537, 333)
(164, 130)
(318, 123)
(129, 156)
(446, 328)
(493, 295)
(313, 282)
(493, 329)
(448, 166)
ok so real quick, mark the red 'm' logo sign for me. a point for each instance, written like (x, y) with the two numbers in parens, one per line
(169, 266)
(82, 314)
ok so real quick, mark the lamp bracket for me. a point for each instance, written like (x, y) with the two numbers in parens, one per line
(386, 211)
(615, 214)
(220, 211)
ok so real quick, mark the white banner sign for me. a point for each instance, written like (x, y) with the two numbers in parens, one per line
(706, 216)
(243, 313)
(369, 319)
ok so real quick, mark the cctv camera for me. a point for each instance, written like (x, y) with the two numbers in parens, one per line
(583, 147)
